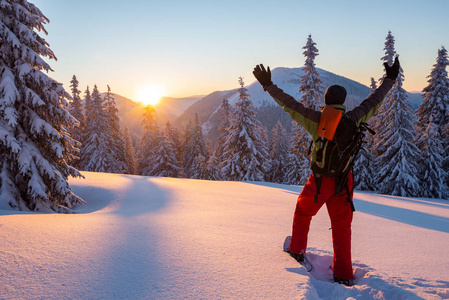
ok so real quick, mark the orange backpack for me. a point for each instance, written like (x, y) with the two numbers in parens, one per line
(329, 120)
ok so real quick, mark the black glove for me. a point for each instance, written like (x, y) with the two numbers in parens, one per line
(393, 71)
(263, 76)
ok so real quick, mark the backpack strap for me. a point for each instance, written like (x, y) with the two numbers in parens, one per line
(348, 193)
(318, 180)
(341, 184)
(310, 148)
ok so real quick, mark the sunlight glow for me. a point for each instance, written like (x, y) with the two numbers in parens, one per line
(150, 95)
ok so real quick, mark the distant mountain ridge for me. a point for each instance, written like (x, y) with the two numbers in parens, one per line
(289, 80)
(179, 111)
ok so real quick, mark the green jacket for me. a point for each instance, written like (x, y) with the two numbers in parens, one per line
(309, 118)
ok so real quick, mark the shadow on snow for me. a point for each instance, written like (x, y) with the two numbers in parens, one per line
(403, 215)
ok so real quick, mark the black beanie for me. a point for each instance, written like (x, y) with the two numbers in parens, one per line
(335, 94)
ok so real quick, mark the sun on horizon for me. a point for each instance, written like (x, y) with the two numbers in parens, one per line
(150, 95)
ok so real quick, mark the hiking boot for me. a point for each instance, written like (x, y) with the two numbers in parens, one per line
(302, 259)
(347, 282)
(298, 256)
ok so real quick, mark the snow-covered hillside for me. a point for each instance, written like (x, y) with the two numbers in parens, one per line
(164, 238)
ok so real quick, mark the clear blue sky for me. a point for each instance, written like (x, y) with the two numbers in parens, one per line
(197, 47)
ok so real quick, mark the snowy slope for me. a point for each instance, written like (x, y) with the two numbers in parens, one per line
(163, 238)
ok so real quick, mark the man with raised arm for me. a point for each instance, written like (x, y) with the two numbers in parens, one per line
(324, 186)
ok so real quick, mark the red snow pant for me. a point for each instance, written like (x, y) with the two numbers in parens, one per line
(340, 213)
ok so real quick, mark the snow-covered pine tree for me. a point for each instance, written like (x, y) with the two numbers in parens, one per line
(297, 170)
(194, 165)
(223, 133)
(364, 167)
(175, 137)
(95, 155)
(186, 137)
(373, 85)
(213, 166)
(199, 168)
(433, 116)
(311, 86)
(278, 154)
(116, 143)
(378, 120)
(84, 134)
(248, 158)
(165, 163)
(311, 89)
(432, 174)
(363, 171)
(130, 157)
(87, 105)
(398, 156)
(445, 163)
(77, 111)
(149, 142)
(35, 145)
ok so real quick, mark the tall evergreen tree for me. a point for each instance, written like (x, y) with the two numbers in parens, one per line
(223, 133)
(436, 95)
(87, 106)
(130, 158)
(165, 163)
(297, 170)
(378, 120)
(373, 86)
(398, 156)
(213, 166)
(95, 154)
(432, 174)
(77, 111)
(311, 84)
(433, 116)
(84, 133)
(364, 167)
(445, 162)
(116, 143)
(278, 154)
(195, 154)
(363, 171)
(34, 118)
(186, 137)
(199, 168)
(245, 148)
(149, 142)
(175, 137)
(311, 89)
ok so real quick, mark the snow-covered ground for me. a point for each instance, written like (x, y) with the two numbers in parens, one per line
(163, 238)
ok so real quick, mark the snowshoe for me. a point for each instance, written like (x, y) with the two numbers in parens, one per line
(301, 257)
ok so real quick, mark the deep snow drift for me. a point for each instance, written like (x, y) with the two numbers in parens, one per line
(163, 238)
